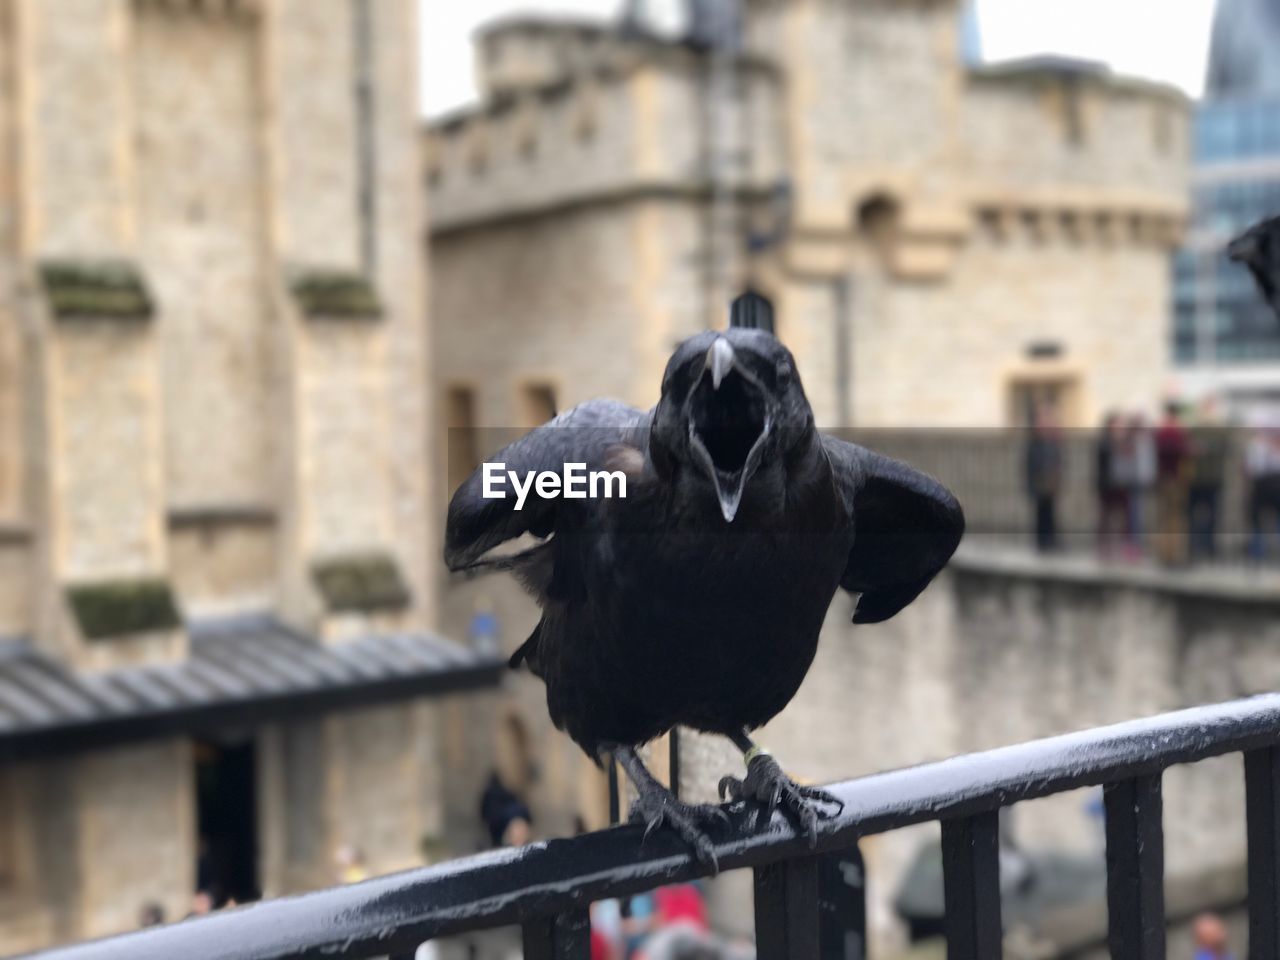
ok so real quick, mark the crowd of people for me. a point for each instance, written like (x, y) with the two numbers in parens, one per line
(1160, 487)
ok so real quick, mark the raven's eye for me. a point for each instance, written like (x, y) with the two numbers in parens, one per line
(784, 373)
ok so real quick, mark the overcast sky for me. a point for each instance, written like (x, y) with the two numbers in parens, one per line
(1163, 39)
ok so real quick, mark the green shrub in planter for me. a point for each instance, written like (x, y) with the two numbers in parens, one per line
(112, 608)
(360, 582)
(337, 294)
(108, 288)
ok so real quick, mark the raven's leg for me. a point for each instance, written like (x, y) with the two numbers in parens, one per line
(766, 784)
(656, 805)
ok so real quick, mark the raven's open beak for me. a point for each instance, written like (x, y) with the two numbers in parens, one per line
(720, 360)
(728, 421)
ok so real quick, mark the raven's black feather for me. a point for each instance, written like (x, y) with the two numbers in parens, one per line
(656, 609)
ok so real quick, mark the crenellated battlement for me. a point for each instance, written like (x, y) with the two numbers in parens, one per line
(1054, 133)
(576, 112)
(629, 122)
(524, 53)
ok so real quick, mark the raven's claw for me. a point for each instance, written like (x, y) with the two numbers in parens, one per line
(658, 806)
(767, 785)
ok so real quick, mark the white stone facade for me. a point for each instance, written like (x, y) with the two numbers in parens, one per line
(225, 441)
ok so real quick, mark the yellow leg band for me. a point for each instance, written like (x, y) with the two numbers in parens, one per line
(755, 751)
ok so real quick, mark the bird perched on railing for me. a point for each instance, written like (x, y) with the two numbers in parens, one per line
(697, 599)
(1258, 248)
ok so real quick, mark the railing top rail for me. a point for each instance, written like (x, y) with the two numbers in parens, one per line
(394, 913)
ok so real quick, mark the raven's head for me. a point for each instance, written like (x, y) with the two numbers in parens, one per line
(731, 406)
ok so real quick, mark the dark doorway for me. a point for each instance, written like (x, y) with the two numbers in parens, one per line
(227, 821)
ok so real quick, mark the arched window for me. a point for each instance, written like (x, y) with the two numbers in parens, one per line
(878, 220)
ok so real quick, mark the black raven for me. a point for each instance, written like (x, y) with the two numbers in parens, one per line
(698, 598)
(1258, 248)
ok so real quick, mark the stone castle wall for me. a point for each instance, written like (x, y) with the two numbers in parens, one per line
(200, 225)
(225, 438)
(1103, 303)
(590, 303)
(1032, 130)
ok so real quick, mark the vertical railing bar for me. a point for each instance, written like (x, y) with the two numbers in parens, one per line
(786, 910)
(673, 761)
(1135, 868)
(614, 796)
(971, 886)
(1262, 816)
(566, 936)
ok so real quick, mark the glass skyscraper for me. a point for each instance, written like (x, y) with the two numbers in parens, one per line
(1225, 339)
(970, 34)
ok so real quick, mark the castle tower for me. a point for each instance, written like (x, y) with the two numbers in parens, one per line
(214, 521)
(921, 222)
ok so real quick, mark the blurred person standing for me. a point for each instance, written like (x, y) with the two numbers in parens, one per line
(1124, 477)
(1210, 448)
(1262, 473)
(1109, 485)
(1209, 934)
(1173, 473)
(506, 815)
(1138, 475)
(1044, 474)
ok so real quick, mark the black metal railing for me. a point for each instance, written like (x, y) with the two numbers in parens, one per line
(548, 887)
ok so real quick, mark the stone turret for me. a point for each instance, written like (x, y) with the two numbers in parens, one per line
(518, 54)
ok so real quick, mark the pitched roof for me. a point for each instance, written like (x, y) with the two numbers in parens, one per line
(241, 671)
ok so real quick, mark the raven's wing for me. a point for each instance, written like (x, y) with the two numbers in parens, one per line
(906, 527)
(589, 433)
